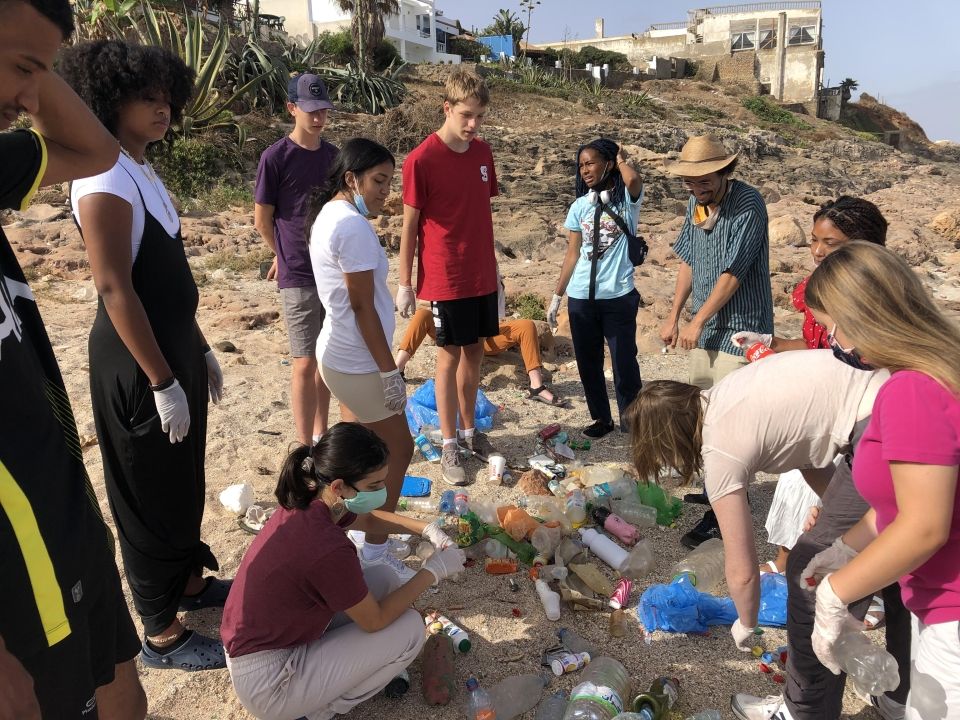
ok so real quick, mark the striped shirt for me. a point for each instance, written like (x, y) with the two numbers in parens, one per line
(738, 244)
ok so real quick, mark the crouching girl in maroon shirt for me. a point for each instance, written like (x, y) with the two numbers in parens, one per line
(308, 631)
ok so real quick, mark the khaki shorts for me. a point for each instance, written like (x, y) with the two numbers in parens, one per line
(304, 314)
(708, 367)
(362, 394)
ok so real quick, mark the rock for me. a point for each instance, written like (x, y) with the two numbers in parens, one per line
(219, 274)
(785, 231)
(947, 224)
(770, 194)
(85, 293)
(43, 213)
(225, 346)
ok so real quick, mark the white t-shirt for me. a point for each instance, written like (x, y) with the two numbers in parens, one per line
(342, 241)
(123, 180)
(790, 411)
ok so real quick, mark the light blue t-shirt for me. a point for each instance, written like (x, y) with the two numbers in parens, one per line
(614, 269)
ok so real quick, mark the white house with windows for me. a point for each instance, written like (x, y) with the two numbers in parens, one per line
(420, 31)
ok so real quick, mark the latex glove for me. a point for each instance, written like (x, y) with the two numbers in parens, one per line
(811, 520)
(554, 310)
(745, 338)
(394, 391)
(406, 301)
(826, 562)
(832, 619)
(744, 637)
(445, 563)
(437, 537)
(214, 376)
(173, 410)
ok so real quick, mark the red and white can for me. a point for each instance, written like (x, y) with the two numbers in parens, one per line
(758, 351)
(569, 662)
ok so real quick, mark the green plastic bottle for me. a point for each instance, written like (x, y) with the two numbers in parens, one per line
(668, 507)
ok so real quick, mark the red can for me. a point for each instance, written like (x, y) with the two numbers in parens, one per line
(758, 351)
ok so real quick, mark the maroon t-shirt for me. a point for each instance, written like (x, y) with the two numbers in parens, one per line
(286, 176)
(298, 572)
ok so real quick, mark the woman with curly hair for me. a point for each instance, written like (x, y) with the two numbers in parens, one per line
(150, 366)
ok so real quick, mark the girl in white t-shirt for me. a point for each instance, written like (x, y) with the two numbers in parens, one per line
(353, 350)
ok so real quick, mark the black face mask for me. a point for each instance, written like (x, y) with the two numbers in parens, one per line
(851, 358)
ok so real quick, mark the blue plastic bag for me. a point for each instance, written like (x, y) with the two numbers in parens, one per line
(422, 410)
(680, 607)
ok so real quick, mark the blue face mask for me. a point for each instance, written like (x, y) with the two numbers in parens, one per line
(847, 356)
(361, 205)
(367, 501)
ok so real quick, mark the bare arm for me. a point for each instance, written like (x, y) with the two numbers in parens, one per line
(574, 241)
(17, 699)
(381, 521)
(77, 144)
(371, 615)
(669, 331)
(107, 221)
(360, 290)
(740, 554)
(263, 222)
(786, 344)
(631, 178)
(408, 243)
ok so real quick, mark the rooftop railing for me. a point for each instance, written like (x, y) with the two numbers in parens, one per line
(757, 7)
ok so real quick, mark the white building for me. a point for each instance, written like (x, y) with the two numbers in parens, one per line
(420, 32)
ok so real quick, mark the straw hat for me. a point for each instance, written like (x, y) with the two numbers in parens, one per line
(701, 155)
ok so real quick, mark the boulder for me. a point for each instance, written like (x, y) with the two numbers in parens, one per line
(785, 231)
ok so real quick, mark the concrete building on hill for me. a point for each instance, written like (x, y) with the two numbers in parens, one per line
(777, 45)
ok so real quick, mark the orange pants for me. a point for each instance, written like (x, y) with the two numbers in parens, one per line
(512, 332)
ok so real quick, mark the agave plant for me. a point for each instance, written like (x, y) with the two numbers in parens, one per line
(101, 19)
(252, 60)
(368, 92)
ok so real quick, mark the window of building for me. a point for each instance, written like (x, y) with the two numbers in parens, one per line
(768, 39)
(423, 25)
(743, 40)
(802, 34)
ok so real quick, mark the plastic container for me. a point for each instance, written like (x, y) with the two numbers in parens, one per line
(618, 623)
(704, 565)
(545, 539)
(447, 504)
(707, 715)
(568, 549)
(668, 507)
(516, 521)
(615, 525)
(635, 512)
(600, 474)
(565, 663)
(603, 692)
(576, 507)
(549, 599)
(441, 624)
(437, 678)
(425, 550)
(552, 707)
(655, 703)
(873, 670)
(758, 351)
(604, 548)
(516, 694)
(500, 566)
(426, 448)
(640, 561)
(574, 643)
(460, 502)
(479, 705)
(422, 505)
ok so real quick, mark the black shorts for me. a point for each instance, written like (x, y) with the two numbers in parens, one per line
(466, 321)
(102, 636)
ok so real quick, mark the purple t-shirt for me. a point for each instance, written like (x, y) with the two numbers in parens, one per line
(915, 420)
(286, 176)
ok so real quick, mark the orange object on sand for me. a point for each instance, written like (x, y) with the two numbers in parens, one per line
(516, 521)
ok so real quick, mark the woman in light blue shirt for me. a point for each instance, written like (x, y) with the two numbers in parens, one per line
(603, 300)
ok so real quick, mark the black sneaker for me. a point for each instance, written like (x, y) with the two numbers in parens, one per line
(699, 498)
(598, 429)
(706, 529)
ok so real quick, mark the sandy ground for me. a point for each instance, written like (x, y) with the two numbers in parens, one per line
(257, 399)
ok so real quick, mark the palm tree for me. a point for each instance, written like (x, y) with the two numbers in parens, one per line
(367, 27)
(506, 22)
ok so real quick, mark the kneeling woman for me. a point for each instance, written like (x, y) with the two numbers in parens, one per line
(308, 632)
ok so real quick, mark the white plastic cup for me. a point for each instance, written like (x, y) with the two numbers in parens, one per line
(496, 466)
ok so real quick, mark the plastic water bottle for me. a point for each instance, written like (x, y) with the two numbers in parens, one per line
(601, 695)
(545, 539)
(704, 565)
(549, 599)
(872, 669)
(516, 694)
(574, 643)
(437, 623)
(479, 704)
(576, 507)
(668, 507)
(568, 549)
(635, 512)
(486, 511)
(640, 561)
(460, 502)
(423, 505)
(552, 707)
(447, 502)
(604, 548)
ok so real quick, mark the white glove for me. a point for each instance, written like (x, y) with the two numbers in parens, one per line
(745, 338)
(826, 562)
(445, 563)
(394, 391)
(173, 410)
(554, 310)
(406, 301)
(744, 637)
(437, 537)
(832, 619)
(214, 376)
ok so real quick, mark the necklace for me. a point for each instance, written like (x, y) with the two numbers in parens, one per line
(146, 169)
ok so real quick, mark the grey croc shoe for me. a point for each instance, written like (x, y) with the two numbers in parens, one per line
(213, 595)
(198, 653)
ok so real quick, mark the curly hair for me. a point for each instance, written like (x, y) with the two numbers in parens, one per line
(856, 218)
(109, 73)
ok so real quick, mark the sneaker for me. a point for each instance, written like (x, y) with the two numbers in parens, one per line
(451, 467)
(598, 429)
(387, 558)
(479, 444)
(398, 686)
(706, 529)
(699, 498)
(751, 707)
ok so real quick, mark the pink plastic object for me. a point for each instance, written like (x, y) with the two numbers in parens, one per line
(621, 595)
(625, 532)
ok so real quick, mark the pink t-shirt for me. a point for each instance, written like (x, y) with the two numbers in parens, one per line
(916, 420)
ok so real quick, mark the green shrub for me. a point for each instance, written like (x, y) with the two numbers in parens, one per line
(528, 306)
(591, 54)
(230, 260)
(766, 109)
(190, 167)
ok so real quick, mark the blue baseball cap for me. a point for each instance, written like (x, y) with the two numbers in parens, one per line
(308, 92)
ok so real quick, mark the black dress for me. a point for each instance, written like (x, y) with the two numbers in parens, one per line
(155, 487)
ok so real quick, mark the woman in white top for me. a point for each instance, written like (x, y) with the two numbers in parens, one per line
(353, 350)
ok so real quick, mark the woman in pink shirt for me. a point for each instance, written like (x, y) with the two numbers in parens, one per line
(906, 466)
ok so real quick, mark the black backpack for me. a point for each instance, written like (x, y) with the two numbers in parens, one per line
(636, 245)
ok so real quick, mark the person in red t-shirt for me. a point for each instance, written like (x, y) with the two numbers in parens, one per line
(307, 630)
(448, 181)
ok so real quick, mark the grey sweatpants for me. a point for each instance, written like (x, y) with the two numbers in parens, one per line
(332, 675)
(812, 692)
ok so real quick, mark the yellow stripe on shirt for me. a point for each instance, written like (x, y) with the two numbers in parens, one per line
(43, 578)
(40, 173)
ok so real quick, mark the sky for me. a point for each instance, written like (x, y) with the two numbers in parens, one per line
(905, 54)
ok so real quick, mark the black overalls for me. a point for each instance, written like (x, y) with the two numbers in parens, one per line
(155, 487)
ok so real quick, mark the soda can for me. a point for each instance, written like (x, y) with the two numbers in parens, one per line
(757, 351)
(495, 467)
(569, 662)
(621, 596)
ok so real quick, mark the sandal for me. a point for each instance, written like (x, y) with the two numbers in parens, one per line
(770, 567)
(875, 613)
(213, 595)
(534, 394)
(198, 653)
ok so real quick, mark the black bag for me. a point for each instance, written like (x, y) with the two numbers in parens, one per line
(636, 245)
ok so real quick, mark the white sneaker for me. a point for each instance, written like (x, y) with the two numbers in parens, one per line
(887, 708)
(387, 558)
(751, 707)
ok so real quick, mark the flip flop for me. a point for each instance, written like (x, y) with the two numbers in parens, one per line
(213, 595)
(875, 613)
(197, 653)
(534, 394)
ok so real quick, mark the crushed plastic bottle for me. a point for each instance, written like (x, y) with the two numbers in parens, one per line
(552, 707)
(635, 512)
(437, 672)
(576, 507)
(600, 474)
(447, 503)
(640, 561)
(479, 705)
(873, 670)
(545, 539)
(516, 694)
(603, 692)
(486, 511)
(574, 643)
(704, 565)
(425, 550)
(668, 507)
(592, 577)
(569, 549)
(618, 623)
